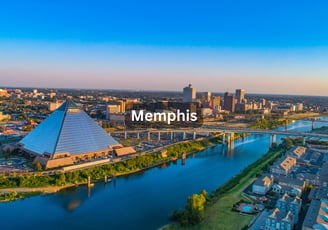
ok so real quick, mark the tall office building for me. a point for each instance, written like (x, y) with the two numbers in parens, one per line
(112, 109)
(122, 104)
(229, 102)
(299, 107)
(189, 94)
(216, 102)
(206, 96)
(240, 95)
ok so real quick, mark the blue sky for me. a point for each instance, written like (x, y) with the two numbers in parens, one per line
(262, 46)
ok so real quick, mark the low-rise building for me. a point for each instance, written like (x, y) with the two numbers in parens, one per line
(290, 204)
(262, 185)
(112, 109)
(297, 151)
(4, 116)
(285, 215)
(309, 178)
(289, 186)
(278, 220)
(55, 105)
(320, 193)
(125, 151)
(316, 216)
(324, 175)
(283, 166)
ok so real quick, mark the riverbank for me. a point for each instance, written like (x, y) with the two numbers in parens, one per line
(218, 209)
(12, 194)
(299, 116)
(55, 183)
(272, 123)
(124, 168)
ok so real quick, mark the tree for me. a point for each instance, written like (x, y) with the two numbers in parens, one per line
(287, 144)
(61, 179)
(28, 128)
(12, 195)
(37, 165)
(196, 206)
(194, 211)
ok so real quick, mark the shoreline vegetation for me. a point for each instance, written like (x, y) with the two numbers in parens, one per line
(12, 188)
(25, 186)
(216, 212)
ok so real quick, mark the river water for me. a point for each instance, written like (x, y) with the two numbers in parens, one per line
(141, 201)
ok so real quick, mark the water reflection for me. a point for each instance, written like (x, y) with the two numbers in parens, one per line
(140, 201)
(71, 198)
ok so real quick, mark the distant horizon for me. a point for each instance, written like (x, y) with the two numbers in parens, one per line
(159, 91)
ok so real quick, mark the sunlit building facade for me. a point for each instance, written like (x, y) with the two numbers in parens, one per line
(67, 136)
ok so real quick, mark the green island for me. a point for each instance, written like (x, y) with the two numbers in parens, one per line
(216, 212)
(269, 123)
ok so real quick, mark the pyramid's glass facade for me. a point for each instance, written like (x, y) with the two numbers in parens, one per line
(68, 129)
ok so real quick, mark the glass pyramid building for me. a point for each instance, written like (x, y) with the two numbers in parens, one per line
(67, 130)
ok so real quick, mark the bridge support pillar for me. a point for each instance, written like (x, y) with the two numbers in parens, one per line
(184, 135)
(232, 142)
(125, 135)
(303, 141)
(148, 136)
(89, 182)
(159, 136)
(223, 138)
(171, 135)
(286, 126)
(194, 135)
(273, 138)
(243, 136)
(183, 158)
(207, 133)
(138, 135)
(312, 124)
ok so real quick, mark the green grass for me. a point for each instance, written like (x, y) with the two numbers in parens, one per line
(218, 212)
(99, 172)
(22, 195)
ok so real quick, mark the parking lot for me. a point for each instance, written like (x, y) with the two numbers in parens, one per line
(17, 164)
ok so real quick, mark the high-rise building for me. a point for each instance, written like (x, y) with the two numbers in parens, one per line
(299, 107)
(216, 102)
(206, 96)
(240, 107)
(111, 109)
(240, 95)
(189, 94)
(229, 102)
(122, 104)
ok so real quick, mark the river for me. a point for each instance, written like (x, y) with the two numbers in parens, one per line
(141, 201)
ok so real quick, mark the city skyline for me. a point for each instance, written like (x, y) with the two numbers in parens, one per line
(262, 47)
